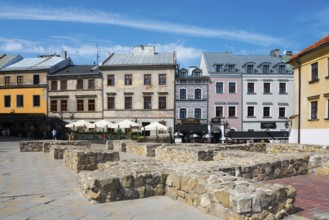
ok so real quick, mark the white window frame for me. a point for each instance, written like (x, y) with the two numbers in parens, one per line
(235, 87)
(216, 87)
(200, 113)
(223, 107)
(270, 115)
(186, 113)
(235, 112)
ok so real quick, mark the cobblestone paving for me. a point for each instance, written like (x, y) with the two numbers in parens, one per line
(34, 186)
(312, 193)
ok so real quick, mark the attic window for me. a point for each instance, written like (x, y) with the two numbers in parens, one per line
(219, 68)
(250, 68)
(231, 68)
(282, 69)
(266, 69)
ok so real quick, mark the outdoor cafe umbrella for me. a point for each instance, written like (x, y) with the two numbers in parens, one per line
(155, 126)
(101, 124)
(207, 136)
(126, 124)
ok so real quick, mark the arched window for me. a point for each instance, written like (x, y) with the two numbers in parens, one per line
(197, 113)
(182, 113)
(182, 94)
(197, 94)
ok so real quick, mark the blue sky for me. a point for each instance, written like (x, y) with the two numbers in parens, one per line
(189, 27)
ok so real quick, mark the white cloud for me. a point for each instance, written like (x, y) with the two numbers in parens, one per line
(99, 17)
(87, 51)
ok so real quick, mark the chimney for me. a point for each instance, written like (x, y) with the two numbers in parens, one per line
(289, 53)
(274, 53)
(64, 54)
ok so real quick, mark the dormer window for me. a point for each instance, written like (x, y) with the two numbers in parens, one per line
(231, 68)
(250, 68)
(282, 69)
(183, 74)
(219, 68)
(196, 73)
(266, 69)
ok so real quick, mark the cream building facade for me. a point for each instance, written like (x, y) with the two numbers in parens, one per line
(310, 121)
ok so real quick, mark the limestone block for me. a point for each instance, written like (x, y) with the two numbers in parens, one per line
(224, 197)
(241, 203)
(30, 146)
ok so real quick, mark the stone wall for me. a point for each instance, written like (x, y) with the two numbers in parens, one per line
(57, 152)
(319, 164)
(48, 143)
(142, 149)
(79, 160)
(197, 184)
(289, 148)
(30, 146)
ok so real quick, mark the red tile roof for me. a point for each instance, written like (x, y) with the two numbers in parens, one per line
(313, 46)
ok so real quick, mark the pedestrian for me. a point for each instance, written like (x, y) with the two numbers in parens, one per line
(54, 133)
(105, 137)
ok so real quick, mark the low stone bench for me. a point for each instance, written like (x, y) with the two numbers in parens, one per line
(57, 151)
(79, 160)
(48, 143)
(212, 191)
(30, 146)
(142, 149)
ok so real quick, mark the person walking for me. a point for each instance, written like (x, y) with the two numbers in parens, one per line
(105, 137)
(54, 133)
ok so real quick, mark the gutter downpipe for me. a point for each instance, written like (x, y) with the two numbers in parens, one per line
(299, 100)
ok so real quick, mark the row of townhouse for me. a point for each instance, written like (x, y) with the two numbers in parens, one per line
(39, 94)
(249, 93)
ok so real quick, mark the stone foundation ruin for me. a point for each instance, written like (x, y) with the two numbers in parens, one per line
(222, 180)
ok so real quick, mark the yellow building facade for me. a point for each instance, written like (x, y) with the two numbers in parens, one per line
(310, 121)
(24, 98)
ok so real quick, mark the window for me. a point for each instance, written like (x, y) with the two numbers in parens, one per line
(282, 88)
(147, 102)
(182, 94)
(219, 111)
(91, 105)
(64, 105)
(314, 110)
(231, 111)
(80, 84)
(7, 101)
(251, 88)
(36, 79)
(251, 111)
(128, 102)
(197, 94)
(282, 69)
(266, 69)
(110, 80)
(231, 87)
(80, 105)
(231, 68)
(182, 113)
(183, 74)
(19, 100)
(110, 102)
(63, 85)
(219, 87)
(250, 68)
(267, 88)
(314, 75)
(91, 84)
(128, 79)
(197, 113)
(162, 102)
(53, 105)
(19, 80)
(7, 80)
(36, 101)
(162, 79)
(219, 68)
(197, 81)
(147, 79)
(282, 112)
(266, 112)
(182, 81)
(53, 85)
(196, 73)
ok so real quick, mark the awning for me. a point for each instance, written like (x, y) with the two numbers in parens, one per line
(195, 128)
(247, 135)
